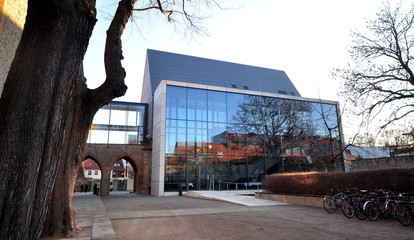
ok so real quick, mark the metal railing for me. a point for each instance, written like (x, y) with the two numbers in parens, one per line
(235, 187)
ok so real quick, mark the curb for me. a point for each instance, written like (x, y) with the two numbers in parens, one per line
(310, 201)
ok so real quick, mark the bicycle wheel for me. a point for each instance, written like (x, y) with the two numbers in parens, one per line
(383, 209)
(371, 210)
(348, 208)
(391, 209)
(329, 204)
(404, 214)
(359, 207)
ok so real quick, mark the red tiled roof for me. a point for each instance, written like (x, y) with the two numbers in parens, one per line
(119, 168)
(90, 164)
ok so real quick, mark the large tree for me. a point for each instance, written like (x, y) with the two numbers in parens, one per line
(46, 109)
(380, 79)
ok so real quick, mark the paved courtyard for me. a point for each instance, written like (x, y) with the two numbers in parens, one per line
(131, 216)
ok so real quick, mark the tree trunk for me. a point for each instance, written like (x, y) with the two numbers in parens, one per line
(84, 104)
(61, 217)
(45, 112)
(34, 109)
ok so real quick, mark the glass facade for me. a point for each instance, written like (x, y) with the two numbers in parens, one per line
(221, 137)
(119, 123)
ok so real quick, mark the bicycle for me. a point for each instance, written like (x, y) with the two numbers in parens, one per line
(404, 208)
(331, 203)
(347, 205)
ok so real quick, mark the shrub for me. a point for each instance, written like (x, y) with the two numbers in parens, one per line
(320, 183)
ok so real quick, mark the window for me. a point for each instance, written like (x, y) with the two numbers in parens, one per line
(246, 87)
(230, 137)
(234, 86)
(89, 172)
(96, 172)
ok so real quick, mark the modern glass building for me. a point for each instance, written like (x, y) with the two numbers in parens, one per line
(214, 122)
(119, 123)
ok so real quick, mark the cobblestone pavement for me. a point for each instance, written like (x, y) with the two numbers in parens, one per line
(131, 216)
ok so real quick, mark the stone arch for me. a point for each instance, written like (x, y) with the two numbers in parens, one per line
(99, 162)
(136, 165)
(108, 154)
(97, 159)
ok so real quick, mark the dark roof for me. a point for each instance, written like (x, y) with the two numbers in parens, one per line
(184, 68)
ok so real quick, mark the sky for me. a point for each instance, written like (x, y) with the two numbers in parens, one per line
(306, 39)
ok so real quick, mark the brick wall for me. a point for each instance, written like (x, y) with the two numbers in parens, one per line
(381, 163)
(13, 16)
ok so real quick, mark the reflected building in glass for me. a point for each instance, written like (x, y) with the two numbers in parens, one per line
(220, 122)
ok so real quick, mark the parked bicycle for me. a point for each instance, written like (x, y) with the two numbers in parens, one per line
(331, 203)
(352, 204)
(405, 208)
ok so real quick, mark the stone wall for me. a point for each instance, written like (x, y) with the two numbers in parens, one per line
(381, 163)
(12, 19)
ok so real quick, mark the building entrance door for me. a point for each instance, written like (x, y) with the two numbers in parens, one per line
(198, 176)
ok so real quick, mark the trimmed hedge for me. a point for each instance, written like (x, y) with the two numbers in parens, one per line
(319, 183)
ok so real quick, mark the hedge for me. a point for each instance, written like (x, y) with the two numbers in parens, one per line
(321, 183)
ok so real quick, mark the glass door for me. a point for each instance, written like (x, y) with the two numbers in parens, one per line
(198, 176)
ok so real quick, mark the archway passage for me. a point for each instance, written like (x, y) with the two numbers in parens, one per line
(89, 176)
(133, 156)
(123, 175)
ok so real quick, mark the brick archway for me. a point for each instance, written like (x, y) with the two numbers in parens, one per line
(88, 171)
(109, 154)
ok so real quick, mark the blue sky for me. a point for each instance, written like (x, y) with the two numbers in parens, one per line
(306, 39)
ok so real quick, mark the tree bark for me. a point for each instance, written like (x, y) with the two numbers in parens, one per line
(61, 216)
(45, 112)
(84, 104)
(34, 110)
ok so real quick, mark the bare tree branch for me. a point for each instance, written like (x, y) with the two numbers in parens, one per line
(380, 77)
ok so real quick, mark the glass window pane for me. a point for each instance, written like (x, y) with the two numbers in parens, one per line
(170, 136)
(217, 139)
(118, 117)
(176, 102)
(197, 104)
(131, 118)
(217, 106)
(98, 136)
(118, 137)
(256, 170)
(174, 171)
(196, 137)
(234, 101)
(175, 136)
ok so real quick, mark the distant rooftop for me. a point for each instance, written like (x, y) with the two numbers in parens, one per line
(184, 68)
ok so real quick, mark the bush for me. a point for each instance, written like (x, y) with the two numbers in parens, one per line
(320, 183)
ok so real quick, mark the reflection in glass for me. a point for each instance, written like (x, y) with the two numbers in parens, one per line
(236, 138)
(197, 104)
(174, 171)
(234, 101)
(217, 106)
(176, 103)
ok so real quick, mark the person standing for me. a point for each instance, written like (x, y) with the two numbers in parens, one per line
(95, 188)
(82, 187)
